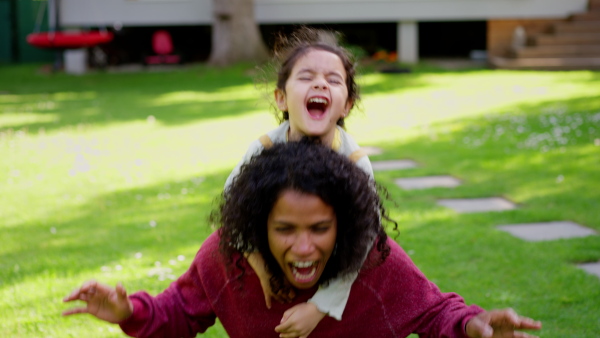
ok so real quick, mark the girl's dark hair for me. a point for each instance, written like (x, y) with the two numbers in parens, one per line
(289, 48)
(309, 168)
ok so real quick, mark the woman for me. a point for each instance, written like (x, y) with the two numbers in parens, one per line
(310, 213)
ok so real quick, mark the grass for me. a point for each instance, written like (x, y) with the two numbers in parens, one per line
(112, 177)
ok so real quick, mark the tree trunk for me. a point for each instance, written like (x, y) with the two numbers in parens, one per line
(235, 34)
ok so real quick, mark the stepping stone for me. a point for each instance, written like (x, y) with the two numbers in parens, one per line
(427, 182)
(467, 205)
(547, 231)
(372, 150)
(393, 165)
(593, 268)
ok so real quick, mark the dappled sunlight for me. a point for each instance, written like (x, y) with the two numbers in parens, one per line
(246, 92)
(446, 97)
(18, 119)
(116, 182)
(47, 98)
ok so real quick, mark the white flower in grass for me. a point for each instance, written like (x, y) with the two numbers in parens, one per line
(560, 178)
(151, 119)
(197, 180)
(152, 223)
(184, 191)
(597, 142)
(104, 269)
(180, 258)
(138, 255)
(172, 262)
(139, 197)
(118, 267)
(53, 230)
(160, 272)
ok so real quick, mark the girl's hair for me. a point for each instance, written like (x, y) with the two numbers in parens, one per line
(309, 168)
(289, 48)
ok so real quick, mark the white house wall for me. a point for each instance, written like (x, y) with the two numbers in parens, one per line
(199, 12)
(135, 12)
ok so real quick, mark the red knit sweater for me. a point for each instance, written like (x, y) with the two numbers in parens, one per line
(393, 299)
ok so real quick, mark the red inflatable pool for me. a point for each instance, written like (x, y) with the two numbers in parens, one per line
(68, 40)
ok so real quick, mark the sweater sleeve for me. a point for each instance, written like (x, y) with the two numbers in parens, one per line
(332, 298)
(430, 312)
(182, 310)
(365, 164)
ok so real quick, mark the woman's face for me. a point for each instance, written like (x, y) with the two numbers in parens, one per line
(301, 230)
(315, 95)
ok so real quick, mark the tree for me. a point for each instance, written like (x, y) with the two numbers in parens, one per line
(235, 34)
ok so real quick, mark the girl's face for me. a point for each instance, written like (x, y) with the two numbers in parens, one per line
(315, 96)
(301, 230)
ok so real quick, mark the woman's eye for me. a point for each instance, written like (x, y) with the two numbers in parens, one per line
(321, 230)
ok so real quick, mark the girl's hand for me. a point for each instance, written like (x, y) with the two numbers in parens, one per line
(299, 321)
(102, 301)
(258, 264)
(501, 324)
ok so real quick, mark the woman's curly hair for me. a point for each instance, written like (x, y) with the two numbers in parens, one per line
(310, 168)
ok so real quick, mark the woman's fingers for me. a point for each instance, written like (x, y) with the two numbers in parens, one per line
(74, 311)
(86, 290)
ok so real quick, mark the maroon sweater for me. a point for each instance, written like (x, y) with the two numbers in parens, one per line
(393, 299)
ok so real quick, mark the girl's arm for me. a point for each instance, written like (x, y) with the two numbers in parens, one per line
(301, 320)
(258, 265)
(332, 299)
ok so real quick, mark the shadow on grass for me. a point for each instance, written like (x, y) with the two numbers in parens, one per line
(158, 221)
(180, 97)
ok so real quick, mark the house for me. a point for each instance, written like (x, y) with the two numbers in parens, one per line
(413, 28)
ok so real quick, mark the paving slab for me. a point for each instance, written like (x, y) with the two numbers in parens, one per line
(468, 205)
(426, 182)
(593, 268)
(372, 150)
(547, 231)
(393, 165)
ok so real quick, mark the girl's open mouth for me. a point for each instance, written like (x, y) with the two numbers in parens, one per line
(316, 106)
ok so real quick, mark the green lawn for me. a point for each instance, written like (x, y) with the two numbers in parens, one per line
(112, 177)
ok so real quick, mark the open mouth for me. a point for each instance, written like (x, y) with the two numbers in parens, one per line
(304, 271)
(317, 106)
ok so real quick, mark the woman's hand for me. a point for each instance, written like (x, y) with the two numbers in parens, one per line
(102, 301)
(501, 324)
(258, 265)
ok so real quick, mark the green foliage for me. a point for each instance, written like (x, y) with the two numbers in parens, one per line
(112, 177)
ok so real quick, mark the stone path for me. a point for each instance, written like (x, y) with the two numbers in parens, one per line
(393, 165)
(547, 231)
(593, 268)
(427, 182)
(531, 232)
(466, 205)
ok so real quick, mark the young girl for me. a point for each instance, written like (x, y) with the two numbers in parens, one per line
(316, 91)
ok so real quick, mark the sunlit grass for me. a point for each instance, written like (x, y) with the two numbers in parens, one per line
(112, 176)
